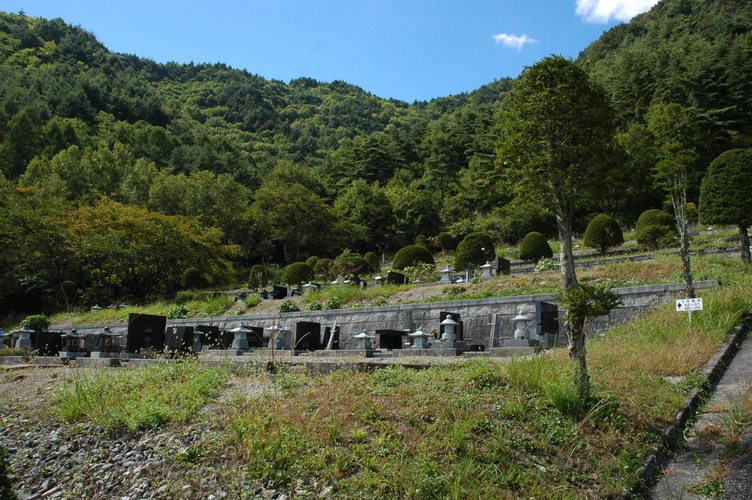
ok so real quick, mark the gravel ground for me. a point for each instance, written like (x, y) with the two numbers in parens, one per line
(52, 460)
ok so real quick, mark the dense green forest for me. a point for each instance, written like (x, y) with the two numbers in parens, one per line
(118, 172)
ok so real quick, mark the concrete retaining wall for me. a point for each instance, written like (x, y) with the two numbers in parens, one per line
(479, 317)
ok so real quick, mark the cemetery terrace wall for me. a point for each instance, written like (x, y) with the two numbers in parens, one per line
(478, 316)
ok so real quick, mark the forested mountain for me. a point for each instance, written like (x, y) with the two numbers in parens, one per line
(273, 172)
(693, 53)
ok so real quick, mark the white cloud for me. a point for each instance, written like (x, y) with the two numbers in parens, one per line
(602, 11)
(513, 41)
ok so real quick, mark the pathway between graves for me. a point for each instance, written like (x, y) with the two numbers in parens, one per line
(702, 468)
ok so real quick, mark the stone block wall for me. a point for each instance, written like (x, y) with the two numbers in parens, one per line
(480, 318)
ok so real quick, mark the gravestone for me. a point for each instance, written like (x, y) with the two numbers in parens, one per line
(214, 338)
(502, 265)
(48, 343)
(390, 339)
(308, 336)
(179, 339)
(146, 333)
(394, 278)
(278, 292)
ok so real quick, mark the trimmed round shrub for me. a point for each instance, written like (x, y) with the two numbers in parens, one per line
(657, 236)
(311, 261)
(191, 278)
(475, 248)
(445, 241)
(603, 233)
(354, 266)
(654, 217)
(258, 276)
(37, 322)
(323, 268)
(535, 247)
(297, 272)
(412, 255)
(373, 261)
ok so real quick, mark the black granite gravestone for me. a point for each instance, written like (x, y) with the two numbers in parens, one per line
(145, 333)
(179, 339)
(391, 339)
(308, 336)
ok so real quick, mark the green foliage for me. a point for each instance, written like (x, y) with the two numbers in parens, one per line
(445, 241)
(410, 256)
(258, 277)
(6, 485)
(147, 397)
(288, 306)
(37, 322)
(657, 236)
(603, 233)
(724, 196)
(323, 269)
(653, 217)
(311, 261)
(584, 302)
(297, 272)
(373, 261)
(178, 311)
(545, 265)
(333, 302)
(425, 273)
(191, 278)
(535, 247)
(66, 294)
(314, 306)
(475, 248)
(351, 266)
(183, 297)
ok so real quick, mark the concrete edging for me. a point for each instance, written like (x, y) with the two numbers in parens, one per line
(713, 372)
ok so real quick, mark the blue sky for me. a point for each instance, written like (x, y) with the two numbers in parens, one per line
(405, 49)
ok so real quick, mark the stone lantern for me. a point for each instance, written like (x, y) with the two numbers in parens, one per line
(446, 275)
(521, 324)
(23, 337)
(197, 333)
(364, 341)
(105, 344)
(420, 339)
(74, 345)
(240, 342)
(487, 270)
(279, 337)
(450, 329)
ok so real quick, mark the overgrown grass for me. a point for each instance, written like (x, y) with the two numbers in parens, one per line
(472, 429)
(139, 398)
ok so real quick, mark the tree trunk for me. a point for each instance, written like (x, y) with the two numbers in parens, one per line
(566, 258)
(744, 235)
(679, 200)
(578, 361)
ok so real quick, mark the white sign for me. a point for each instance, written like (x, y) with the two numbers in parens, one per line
(689, 305)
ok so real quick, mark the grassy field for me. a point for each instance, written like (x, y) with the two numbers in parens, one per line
(472, 429)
